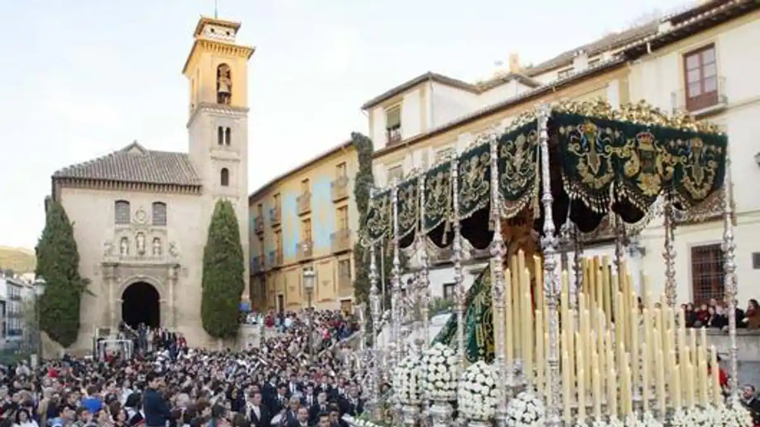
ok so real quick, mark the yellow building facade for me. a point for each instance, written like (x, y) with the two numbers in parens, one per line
(303, 220)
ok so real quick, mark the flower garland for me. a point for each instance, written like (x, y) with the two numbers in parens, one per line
(406, 380)
(439, 381)
(526, 410)
(477, 395)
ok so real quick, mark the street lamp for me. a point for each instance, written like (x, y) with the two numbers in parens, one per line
(39, 290)
(308, 287)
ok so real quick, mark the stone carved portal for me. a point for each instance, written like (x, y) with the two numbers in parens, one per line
(141, 304)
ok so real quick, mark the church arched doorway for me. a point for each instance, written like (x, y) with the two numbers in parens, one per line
(141, 305)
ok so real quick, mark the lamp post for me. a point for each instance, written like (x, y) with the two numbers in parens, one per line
(308, 287)
(39, 290)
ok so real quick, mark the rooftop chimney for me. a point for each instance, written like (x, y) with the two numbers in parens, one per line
(514, 63)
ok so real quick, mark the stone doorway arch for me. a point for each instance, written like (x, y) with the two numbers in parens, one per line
(141, 304)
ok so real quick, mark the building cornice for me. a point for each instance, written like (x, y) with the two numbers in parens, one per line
(209, 107)
(144, 187)
(220, 48)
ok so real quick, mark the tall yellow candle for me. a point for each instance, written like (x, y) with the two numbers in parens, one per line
(539, 283)
(628, 398)
(648, 348)
(566, 403)
(509, 336)
(581, 381)
(612, 404)
(689, 368)
(660, 383)
(703, 381)
(635, 349)
(516, 320)
(596, 381)
(528, 333)
(645, 360)
(717, 393)
(676, 383)
(600, 340)
(607, 292)
(540, 351)
(588, 342)
(693, 347)
(645, 296)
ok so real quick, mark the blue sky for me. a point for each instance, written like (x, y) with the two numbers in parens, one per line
(82, 78)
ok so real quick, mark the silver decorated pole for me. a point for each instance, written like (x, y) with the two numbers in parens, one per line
(670, 255)
(374, 301)
(551, 278)
(498, 251)
(731, 287)
(424, 285)
(459, 294)
(395, 284)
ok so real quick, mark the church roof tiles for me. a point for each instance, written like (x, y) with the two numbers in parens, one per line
(136, 164)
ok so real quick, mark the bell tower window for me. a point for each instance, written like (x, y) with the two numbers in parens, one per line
(227, 136)
(224, 177)
(220, 135)
(223, 84)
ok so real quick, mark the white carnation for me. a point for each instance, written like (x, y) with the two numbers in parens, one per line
(527, 410)
(440, 373)
(477, 396)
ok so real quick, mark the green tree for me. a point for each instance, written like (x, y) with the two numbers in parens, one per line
(58, 264)
(223, 273)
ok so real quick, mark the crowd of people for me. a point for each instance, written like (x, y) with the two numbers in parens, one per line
(165, 383)
(713, 314)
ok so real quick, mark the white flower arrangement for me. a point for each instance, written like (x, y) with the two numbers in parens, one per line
(441, 375)
(526, 410)
(358, 422)
(406, 381)
(734, 415)
(650, 421)
(478, 395)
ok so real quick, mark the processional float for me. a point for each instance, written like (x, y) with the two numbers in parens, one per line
(579, 346)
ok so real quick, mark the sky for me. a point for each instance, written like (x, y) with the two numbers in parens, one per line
(83, 78)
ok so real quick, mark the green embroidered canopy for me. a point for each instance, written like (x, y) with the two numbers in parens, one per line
(601, 160)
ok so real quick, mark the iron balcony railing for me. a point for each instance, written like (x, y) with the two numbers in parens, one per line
(339, 188)
(304, 203)
(340, 241)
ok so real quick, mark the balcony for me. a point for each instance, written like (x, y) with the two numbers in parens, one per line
(709, 98)
(275, 258)
(393, 135)
(339, 188)
(257, 264)
(258, 224)
(304, 203)
(304, 250)
(340, 241)
(275, 215)
(14, 297)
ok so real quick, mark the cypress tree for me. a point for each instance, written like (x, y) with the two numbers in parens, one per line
(58, 264)
(223, 273)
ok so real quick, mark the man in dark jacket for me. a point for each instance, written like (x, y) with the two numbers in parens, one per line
(157, 413)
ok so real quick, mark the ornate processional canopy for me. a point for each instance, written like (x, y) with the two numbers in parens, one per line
(602, 160)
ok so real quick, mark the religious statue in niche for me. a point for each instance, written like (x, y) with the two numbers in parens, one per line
(223, 84)
(140, 239)
(124, 246)
(156, 247)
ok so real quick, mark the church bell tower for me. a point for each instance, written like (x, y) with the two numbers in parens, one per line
(217, 71)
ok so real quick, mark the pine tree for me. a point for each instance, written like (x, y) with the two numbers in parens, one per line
(223, 273)
(58, 264)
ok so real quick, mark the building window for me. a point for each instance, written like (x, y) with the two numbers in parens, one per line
(306, 230)
(121, 212)
(395, 173)
(701, 76)
(448, 291)
(220, 135)
(224, 177)
(159, 213)
(563, 74)
(228, 136)
(707, 275)
(393, 124)
(340, 170)
(344, 268)
(343, 218)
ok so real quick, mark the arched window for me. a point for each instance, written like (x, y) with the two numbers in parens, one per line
(228, 136)
(225, 177)
(220, 135)
(159, 213)
(122, 214)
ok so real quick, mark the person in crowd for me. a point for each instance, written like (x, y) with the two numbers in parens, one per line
(750, 401)
(156, 411)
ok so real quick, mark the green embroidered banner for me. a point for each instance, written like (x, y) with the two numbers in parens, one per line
(478, 332)
(438, 196)
(638, 160)
(379, 216)
(474, 180)
(699, 166)
(518, 168)
(408, 206)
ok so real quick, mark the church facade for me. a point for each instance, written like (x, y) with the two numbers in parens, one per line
(141, 216)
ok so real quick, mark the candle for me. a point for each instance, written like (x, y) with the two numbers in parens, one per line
(715, 371)
(607, 294)
(528, 334)
(600, 340)
(566, 368)
(515, 314)
(628, 397)
(689, 369)
(648, 347)
(660, 383)
(540, 351)
(509, 327)
(611, 377)
(581, 380)
(676, 382)
(645, 375)
(587, 343)
(539, 285)
(703, 399)
(635, 348)
(597, 386)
